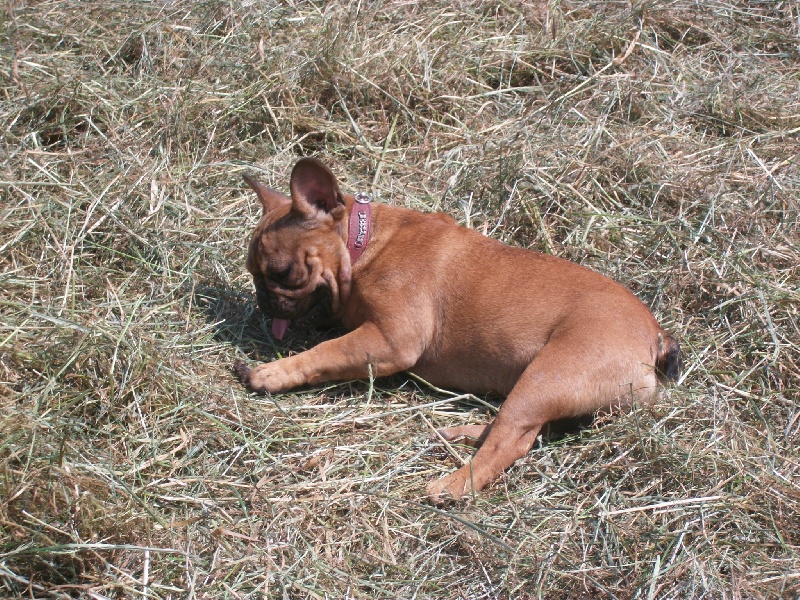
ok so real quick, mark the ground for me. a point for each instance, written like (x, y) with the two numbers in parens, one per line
(656, 142)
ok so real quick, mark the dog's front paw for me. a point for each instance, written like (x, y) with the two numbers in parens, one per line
(267, 377)
(245, 375)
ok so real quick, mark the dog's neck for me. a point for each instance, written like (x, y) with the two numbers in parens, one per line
(360, 226)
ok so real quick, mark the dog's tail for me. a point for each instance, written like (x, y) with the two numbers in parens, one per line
(668, 362)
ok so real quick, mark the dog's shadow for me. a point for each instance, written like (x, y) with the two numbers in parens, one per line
(237, 321)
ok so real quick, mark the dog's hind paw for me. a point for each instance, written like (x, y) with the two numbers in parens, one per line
(447, 489)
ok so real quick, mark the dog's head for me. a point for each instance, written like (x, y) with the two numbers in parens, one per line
(297, 256)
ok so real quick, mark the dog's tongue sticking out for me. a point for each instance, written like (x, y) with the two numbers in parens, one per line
(279, 327)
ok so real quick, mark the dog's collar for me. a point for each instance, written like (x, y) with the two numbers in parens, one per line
(360, 228)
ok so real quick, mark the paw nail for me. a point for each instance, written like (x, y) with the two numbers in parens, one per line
(242, 370)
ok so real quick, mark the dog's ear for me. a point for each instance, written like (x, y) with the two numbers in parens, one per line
(269, 198)
(315, 191)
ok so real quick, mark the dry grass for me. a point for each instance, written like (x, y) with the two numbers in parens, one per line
(654, 141)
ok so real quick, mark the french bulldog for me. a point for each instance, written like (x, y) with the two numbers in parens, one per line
(419, 293)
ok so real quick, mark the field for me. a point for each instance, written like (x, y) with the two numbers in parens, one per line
(656, 142)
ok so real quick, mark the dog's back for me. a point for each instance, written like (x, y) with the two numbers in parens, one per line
(483, 311)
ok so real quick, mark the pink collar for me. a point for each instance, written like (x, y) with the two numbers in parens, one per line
(360, 228)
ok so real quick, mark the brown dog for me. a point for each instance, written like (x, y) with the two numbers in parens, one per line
(456, 308)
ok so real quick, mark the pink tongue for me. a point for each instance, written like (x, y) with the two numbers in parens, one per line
(279, 327)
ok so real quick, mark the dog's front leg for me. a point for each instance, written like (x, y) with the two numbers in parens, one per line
(348, 357)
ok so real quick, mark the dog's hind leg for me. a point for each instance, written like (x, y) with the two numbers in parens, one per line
(558, 384)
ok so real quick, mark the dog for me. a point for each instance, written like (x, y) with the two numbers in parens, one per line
(420, 293)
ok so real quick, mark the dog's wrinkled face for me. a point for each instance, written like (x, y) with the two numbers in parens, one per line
(297, 255)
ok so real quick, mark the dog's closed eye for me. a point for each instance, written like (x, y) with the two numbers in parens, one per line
(281, 275)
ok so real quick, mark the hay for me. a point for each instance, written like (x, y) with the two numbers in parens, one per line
(655, 142)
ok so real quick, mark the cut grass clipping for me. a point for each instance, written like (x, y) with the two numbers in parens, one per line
(656, 142)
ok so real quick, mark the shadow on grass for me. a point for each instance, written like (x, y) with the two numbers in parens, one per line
(236, 320)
